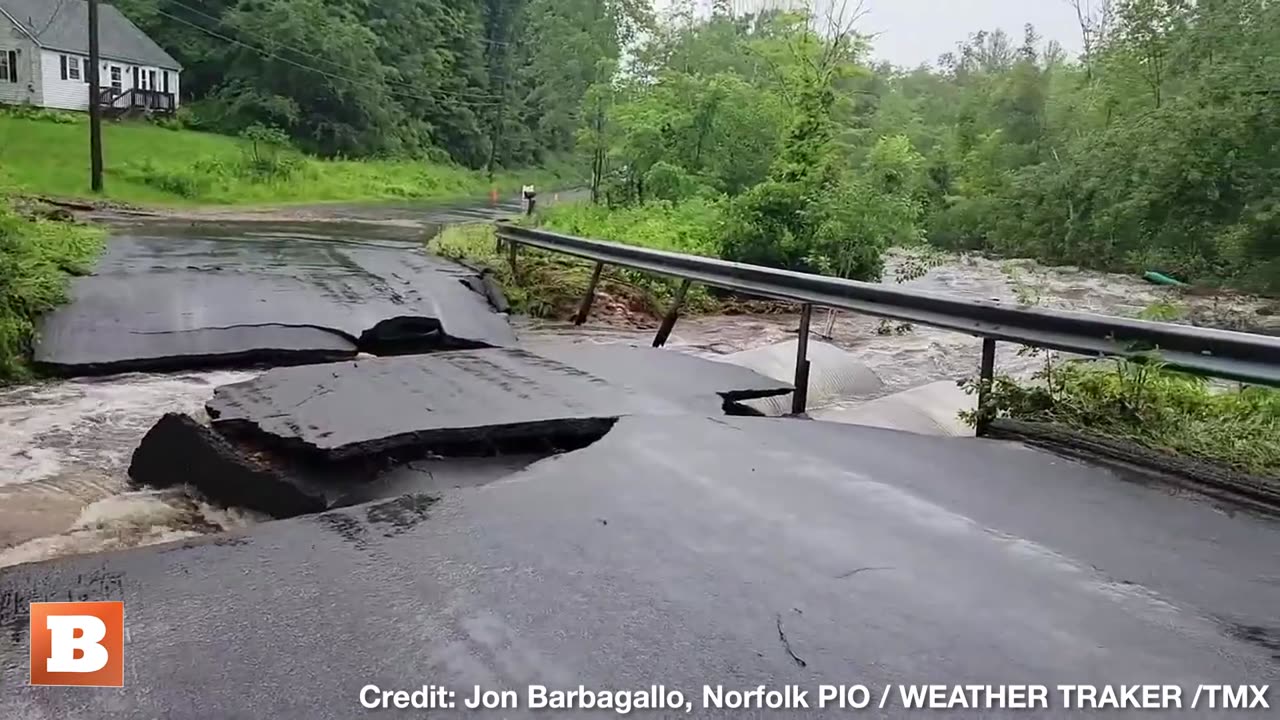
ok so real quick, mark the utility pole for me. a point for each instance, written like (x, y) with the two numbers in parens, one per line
(95, 106)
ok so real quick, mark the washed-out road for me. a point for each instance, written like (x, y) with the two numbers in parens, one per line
(643, 529)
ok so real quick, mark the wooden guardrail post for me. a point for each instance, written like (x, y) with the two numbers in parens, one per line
(800, 397)
(669, 322)
(584, 310)
(986, 376)
(511, 260)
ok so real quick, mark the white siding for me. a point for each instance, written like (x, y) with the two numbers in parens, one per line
(64, 94)
(27, 89)
(74, 94)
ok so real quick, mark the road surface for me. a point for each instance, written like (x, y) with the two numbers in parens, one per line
(682, 547)
(685, 551)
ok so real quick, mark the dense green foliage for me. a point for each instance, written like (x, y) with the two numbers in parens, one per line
(483, 81)
(1154, 407)
(738, 118)
(148, 164)
(551, 285)
(1158, 149)
(687, 227)
(36, 257)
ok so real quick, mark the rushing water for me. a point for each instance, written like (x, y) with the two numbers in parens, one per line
(65, 446)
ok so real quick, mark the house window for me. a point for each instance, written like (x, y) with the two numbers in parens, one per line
(151, 80)
(8, 66)
(116, 80)
(166, 82)
(73, 68)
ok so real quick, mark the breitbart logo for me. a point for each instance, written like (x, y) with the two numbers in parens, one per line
(77, 643)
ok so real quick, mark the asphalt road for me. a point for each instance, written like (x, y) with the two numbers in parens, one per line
(172, 295)
(343, 410)
(683, 550)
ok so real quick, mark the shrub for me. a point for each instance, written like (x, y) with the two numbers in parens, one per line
(1150, 405)
(36, 258)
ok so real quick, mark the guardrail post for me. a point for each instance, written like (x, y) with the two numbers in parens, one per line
(511, 260)
(986, 377)
(669, 322)
(584, 310)
(800, 397)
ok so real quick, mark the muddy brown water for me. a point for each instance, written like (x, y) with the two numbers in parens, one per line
(65, 446)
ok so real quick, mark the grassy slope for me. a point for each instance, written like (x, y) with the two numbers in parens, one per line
(44, 157)
(36, 259)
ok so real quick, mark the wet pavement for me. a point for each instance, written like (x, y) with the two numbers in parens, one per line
(680, 551)
(226, 294)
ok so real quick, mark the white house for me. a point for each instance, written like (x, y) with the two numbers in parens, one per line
(44, 59)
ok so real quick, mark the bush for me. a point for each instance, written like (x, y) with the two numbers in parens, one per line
(36, 258)
(188, 182)
(1152, 406)
(841, 231)
(31, 112)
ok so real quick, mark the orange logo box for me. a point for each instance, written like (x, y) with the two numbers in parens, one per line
(77, 643)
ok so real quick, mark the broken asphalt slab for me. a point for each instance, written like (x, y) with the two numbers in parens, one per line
(685, 551)
(181, 452)
(167, 296)
(477, 397)
(300, 440)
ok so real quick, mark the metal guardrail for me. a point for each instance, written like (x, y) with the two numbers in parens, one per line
(1216, 353)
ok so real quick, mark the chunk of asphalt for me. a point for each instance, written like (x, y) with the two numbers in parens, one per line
(493, 290)
(227, 295)
(235, 346)
(178, 450)
(437, 403)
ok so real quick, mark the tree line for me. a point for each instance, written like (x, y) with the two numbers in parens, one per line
(1157, 149)
(483, 83)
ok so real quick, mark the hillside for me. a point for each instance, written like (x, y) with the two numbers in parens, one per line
(147, 164)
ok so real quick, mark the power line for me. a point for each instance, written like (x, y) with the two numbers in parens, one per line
(52, 18)
(303, 66)
(299, 51)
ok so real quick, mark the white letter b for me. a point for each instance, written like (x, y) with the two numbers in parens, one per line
(62, 653)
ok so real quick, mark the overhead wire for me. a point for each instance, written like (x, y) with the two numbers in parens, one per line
(272, 41)
(52, 18)
(492, 101)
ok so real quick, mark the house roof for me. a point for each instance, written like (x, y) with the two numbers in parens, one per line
(118, 38)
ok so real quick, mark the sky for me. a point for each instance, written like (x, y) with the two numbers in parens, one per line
(911, 32)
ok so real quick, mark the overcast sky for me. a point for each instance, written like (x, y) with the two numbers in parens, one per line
(910, 32)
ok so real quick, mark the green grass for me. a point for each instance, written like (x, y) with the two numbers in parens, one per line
(692, 227)
(1154, 407)
(551, 285)
(150, 165)
(37, 258)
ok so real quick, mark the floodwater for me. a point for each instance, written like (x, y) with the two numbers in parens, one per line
(65, 446)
